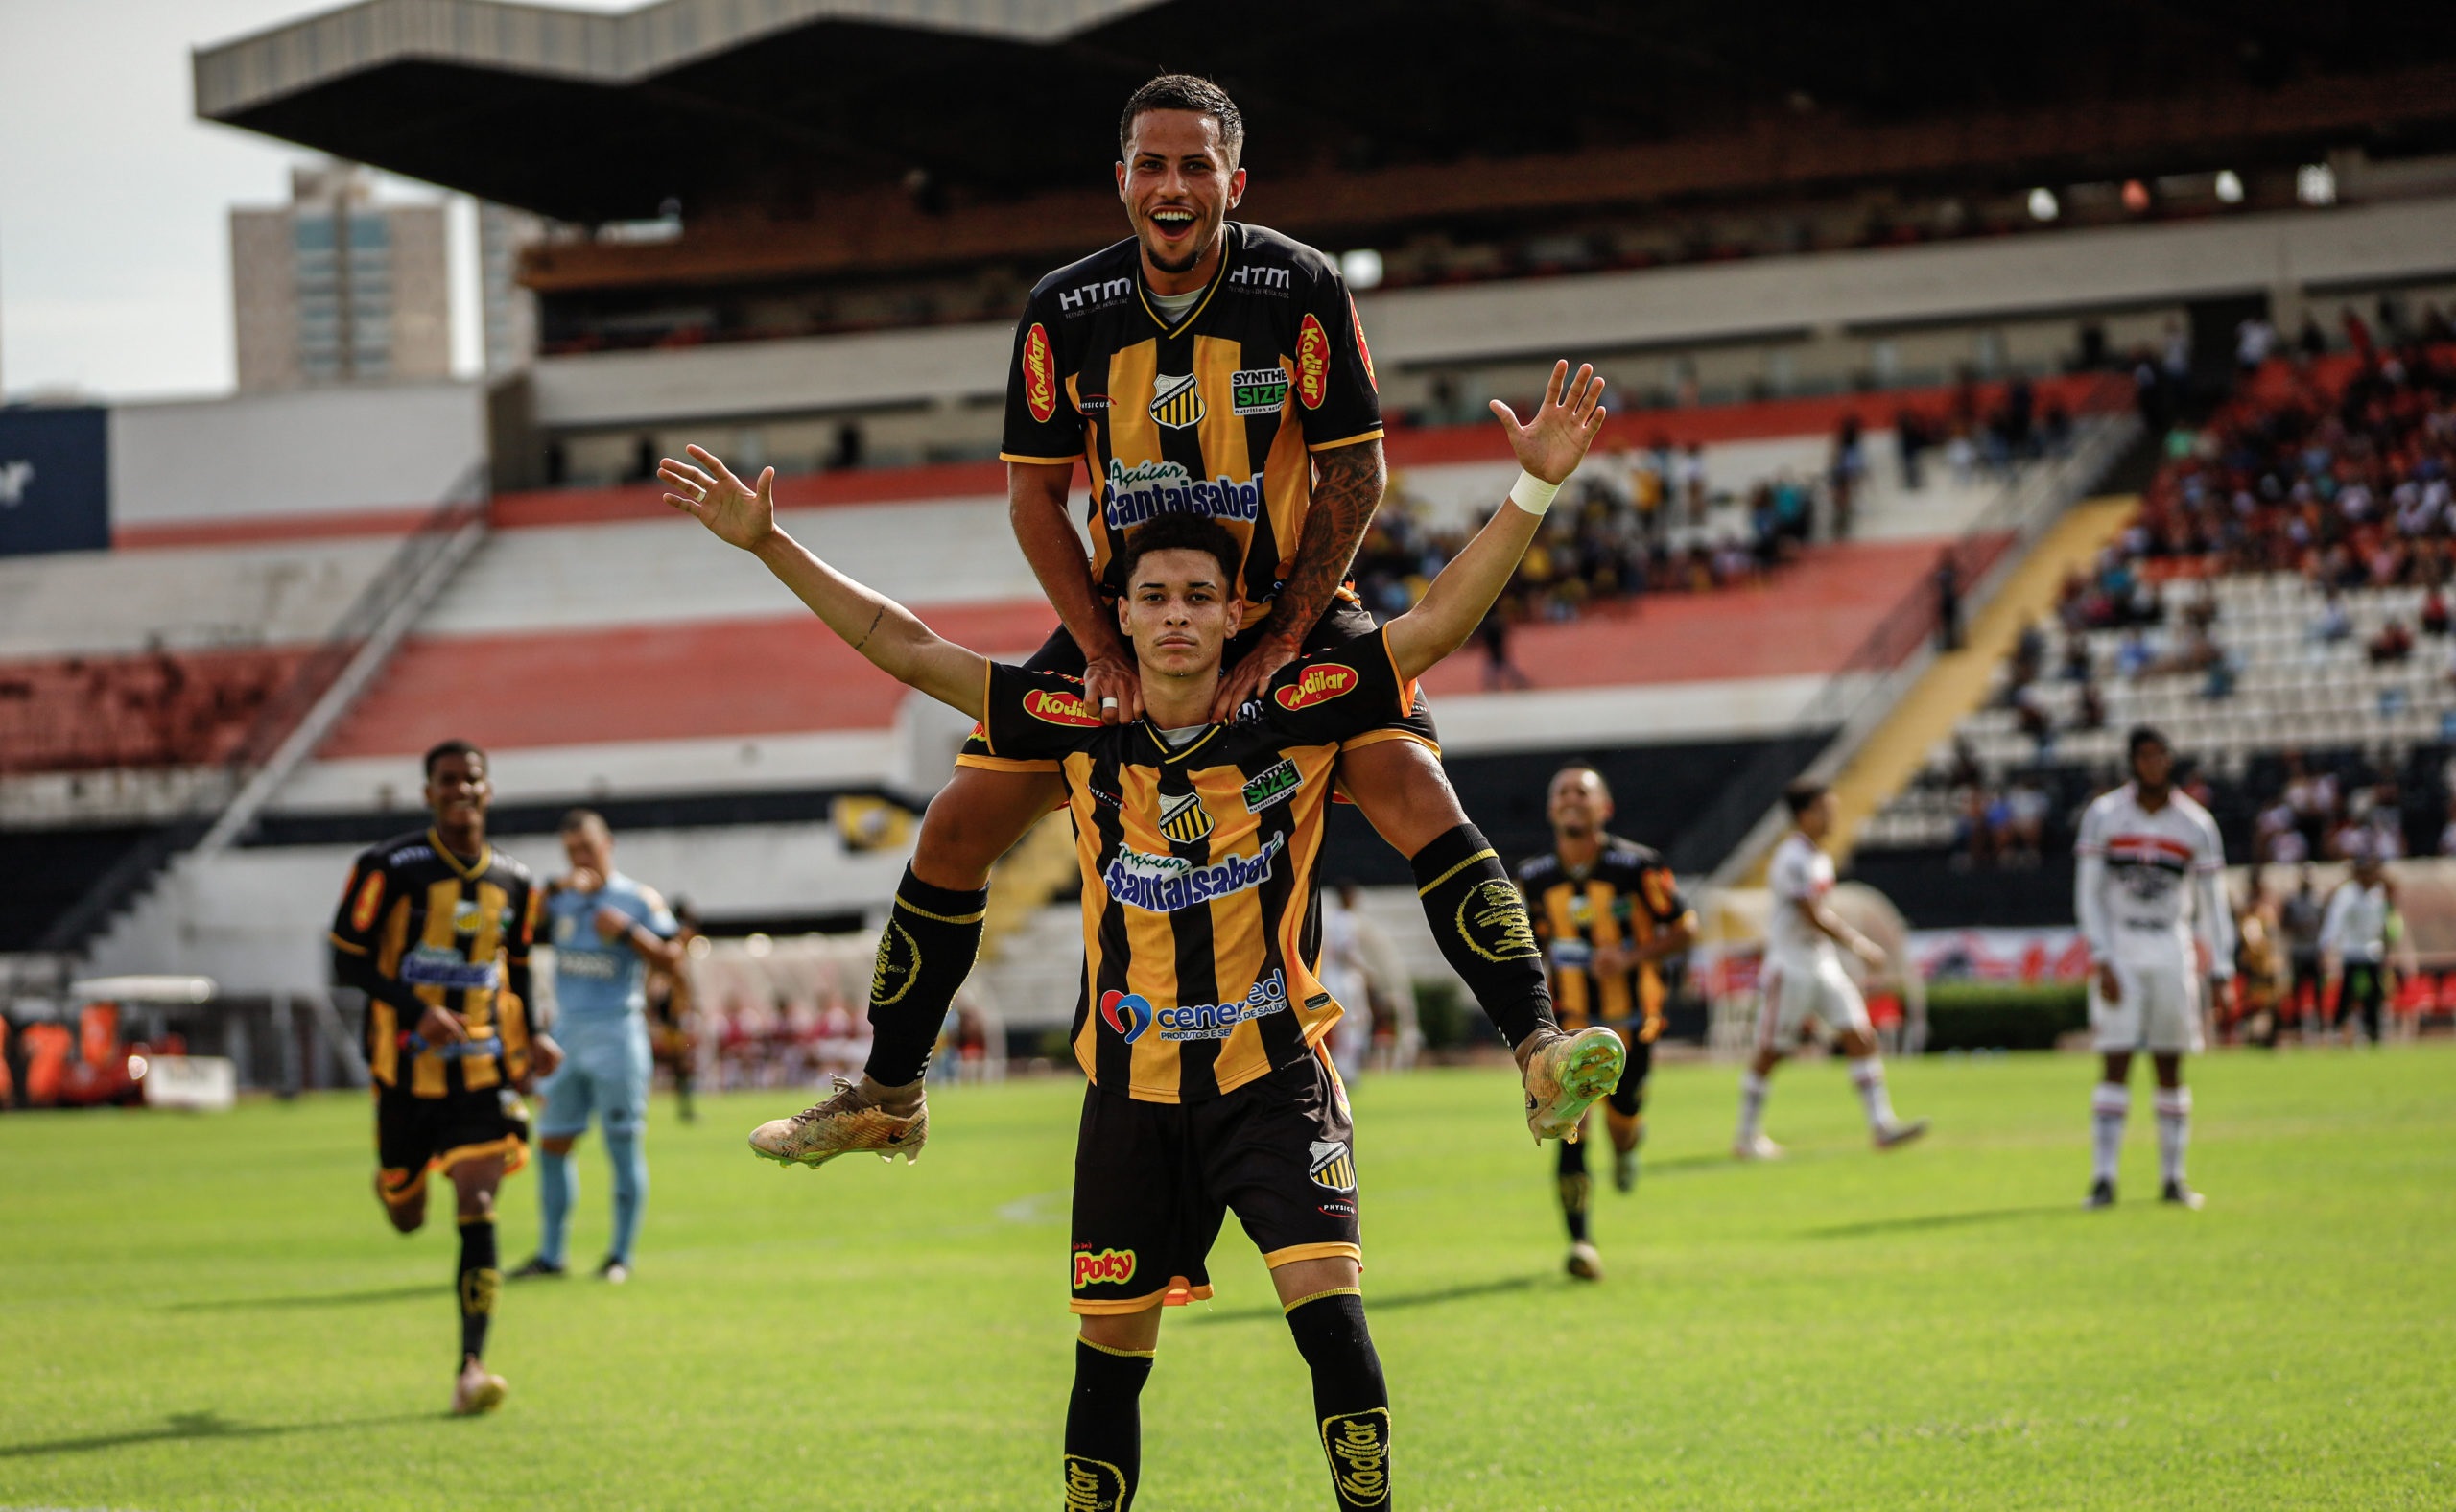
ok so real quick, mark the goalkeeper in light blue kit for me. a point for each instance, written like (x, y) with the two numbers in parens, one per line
(606, 930)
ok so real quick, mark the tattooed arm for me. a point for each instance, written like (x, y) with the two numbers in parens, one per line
(1347, 488)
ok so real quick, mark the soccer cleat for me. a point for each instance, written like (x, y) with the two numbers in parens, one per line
(477, 1391)
(1756, 1148)
(2182, 1197)
(539, 1266)
(613, 1272)
(1624, 1171)
(1585, 1262)
(1564, 1077)
(2101, 1194)
(1900, 1132)
(846, 1122)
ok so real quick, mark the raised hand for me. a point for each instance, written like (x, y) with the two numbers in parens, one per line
(1551, 445)
(734, 511)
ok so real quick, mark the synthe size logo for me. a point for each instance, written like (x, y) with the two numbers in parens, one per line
(1257, 275)
(1092, 296)
(1166, 884)
(1103, 1267)
(1271, 786)
(1316, 685)
(1147, 490)
(1177, 402)
(1258, 391)
(1040, 374)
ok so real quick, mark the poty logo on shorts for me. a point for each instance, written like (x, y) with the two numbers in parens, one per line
(1104, 1267)
(1313, 364)
(1040, 374)
(1056, 706)
(1127, 1014)
(1149, 489)
(1317, 685)
(1166, 884)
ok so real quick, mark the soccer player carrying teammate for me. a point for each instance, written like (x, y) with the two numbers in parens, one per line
(1201, 1024)
(1804, 980)
(2148, 854)
(1608, 915)
(435, 927)
(1200, 367)
(608, 932)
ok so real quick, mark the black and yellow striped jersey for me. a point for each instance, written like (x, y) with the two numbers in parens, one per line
(439, 929)
(1622, 901)
(1215, 415)
(1202, 919)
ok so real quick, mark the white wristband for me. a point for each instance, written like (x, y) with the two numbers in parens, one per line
(1532, 494)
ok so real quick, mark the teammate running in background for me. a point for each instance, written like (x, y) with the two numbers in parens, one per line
(1804, 980)
(1204, 367)
(435, 927)
(1201, 1027)
(608, 932)
(1608, 915)
(2148, 858)
(2361, 926)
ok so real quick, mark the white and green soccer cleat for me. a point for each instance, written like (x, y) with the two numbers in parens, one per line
(1566, 1075)
(849, 1121)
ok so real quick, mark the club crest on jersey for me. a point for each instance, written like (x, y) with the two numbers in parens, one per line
(1040, 374)
(1317, 685)
(1272, 785)
(1127, 1014)
(1313, 364)
(1056, 706)
(1177, 402)
(1103, 1267)
(1332, 1165)
(1184, 819)
(1362, 350)
(1261, 390)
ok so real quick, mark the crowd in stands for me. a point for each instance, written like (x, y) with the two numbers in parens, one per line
(160, 709)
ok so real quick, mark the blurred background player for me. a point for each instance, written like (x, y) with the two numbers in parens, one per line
(2354, 942)
(1608, 915)
(674, 1018)
(1804, 980)
(2148, 855)
(435, 927)
(1343, 973)
(609, 931)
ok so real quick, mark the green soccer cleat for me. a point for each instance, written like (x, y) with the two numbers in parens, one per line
(848, 1122)
(1564, 1077)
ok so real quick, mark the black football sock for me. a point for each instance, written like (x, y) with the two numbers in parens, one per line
(1105, 1428)
(480, 1282)
(1578, 1190)
(1351, 1401)
(931, 937)
(1480, 920)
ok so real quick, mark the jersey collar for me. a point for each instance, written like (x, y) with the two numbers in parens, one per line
(485, 857)
(1218, 275)
(1170, 755)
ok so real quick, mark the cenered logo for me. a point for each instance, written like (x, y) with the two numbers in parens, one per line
(1178, 402)
(1492, 919)
(1358, 1447)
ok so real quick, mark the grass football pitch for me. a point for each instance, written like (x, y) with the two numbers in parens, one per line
(210, 1312)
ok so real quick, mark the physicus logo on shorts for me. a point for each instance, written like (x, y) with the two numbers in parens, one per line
(1147, 490)
(1166, 884)
(1040, 374)
(1103, 1267)
(1177, 402)
(1257, 390)
(1272, 785)
(1358, 1447)
(1094, 1485)
(1362, 350)
(371, 896)
(1130, 1013)
(1313, 364)
(1492, 919)
(1332, 1165)
(1183, 818)
(1317, 685)
(1056, 706)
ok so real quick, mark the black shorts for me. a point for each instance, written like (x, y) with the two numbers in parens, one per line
(1343, 622)
(1152, 1181)
(1630, 1093)
(416, 1136)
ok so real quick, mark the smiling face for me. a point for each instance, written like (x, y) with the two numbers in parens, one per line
(458, 791)
(1178, 183)
(1179, 611)
(1578, 805)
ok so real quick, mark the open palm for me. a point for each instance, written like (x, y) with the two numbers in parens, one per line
(1554, 440)
(734, 511)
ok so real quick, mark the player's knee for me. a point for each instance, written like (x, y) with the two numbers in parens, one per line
(1137, 1332)
(965, 831)
(408, 1217)
(558, 1144)
(1402, 791)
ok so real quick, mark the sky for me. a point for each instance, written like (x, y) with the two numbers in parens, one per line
(115, 198)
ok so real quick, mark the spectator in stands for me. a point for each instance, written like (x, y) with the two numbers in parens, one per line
(1911, 439)
(2434, 612)
(1850, 467)
(2276, 836)
(2089, 709)
(2026, 807)
(1499, 672)
(2253, 340)
(2333, 624)
(2132, 656)
(2392, 644)
(1693, 482)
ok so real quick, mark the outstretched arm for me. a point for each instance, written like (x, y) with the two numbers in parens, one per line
(893, 639)
(1549, 447)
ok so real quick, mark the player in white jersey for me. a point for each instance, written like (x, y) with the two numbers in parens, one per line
(2354, 942)
(1804, 980)
(2149, 895)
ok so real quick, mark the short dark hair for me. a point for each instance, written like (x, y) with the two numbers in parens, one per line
(583, 818)
(1586, 766)
(2144, 735)
(1181, 533)
(1185, 92)
(1801, 795)
(453, 748)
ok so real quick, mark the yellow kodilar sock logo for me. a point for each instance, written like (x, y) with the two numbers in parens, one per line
(1358, 1447)
(477, 1289)
(1492, 919)
(1093, 1485)
(898, 965)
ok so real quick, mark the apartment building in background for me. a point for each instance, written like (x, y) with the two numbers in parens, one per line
(334, 287)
